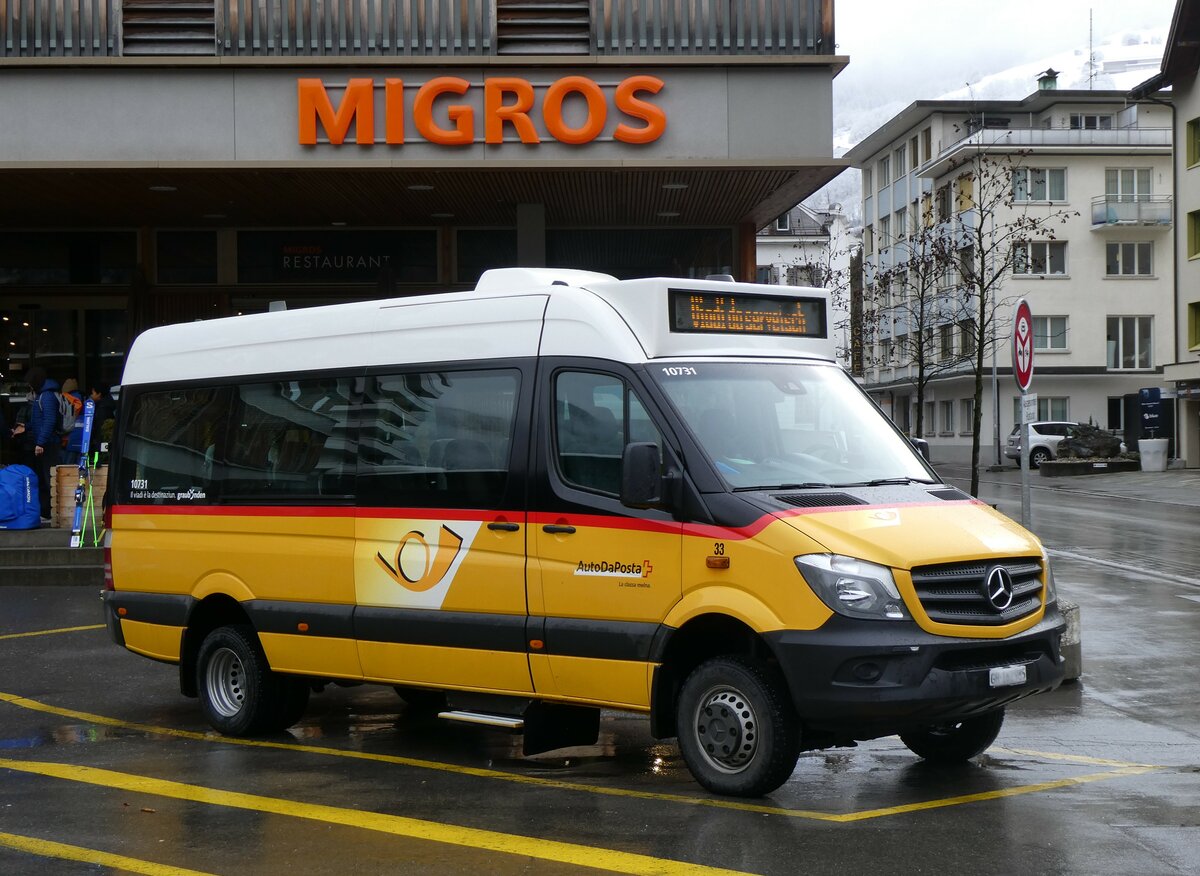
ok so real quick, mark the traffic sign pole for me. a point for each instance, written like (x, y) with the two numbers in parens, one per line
(1022, 358)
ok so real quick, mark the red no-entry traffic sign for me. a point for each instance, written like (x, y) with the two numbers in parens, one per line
(1022, 345)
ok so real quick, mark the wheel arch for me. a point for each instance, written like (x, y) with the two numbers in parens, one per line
(209, 613)
(682, 649)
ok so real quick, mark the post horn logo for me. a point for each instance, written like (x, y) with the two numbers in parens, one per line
(433, 565)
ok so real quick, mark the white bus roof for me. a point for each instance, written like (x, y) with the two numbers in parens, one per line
(512, 312)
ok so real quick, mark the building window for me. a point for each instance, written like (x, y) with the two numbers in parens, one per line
(912, 151)
(1128, 259)
(1130, 343)
(885, 232)
(1053, 408)
(927, 144)
(1193, 325)
(942, 203)
(1193, 234)
(885, 173)
(867, 180)
(1040, 257)
(1039, 184)
(901, 162)
(1127, 183)
(966, 330)
(1193, 142)
(902, 223)
(946, 342)
(869, 240)
(1091, 122)
(947, 415)
(967, 406)
(1050, 333)
(784, 222)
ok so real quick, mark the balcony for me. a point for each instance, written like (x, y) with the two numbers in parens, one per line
(1110, 211)
(116, 28)
(1003, 139)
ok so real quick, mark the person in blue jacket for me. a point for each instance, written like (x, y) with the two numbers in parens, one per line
(42, 440)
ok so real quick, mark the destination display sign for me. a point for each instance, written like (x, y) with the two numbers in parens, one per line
(736, 313)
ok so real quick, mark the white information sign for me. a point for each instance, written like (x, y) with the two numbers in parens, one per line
(1028, 407)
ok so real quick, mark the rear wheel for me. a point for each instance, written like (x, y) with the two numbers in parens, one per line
(239, 693)
(955, 741)
(1037, 456)
(737, 730)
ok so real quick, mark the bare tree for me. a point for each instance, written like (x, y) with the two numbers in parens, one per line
(996, 231)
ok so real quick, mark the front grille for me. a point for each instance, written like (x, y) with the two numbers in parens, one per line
(954, 593)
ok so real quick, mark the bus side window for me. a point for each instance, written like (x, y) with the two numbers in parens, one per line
(172, 448)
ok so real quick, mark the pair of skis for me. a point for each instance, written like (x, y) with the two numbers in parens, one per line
(85, 507)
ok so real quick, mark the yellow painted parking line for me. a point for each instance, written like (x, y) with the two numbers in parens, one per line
(1073, 758)
(396, 825)
(47, 849)
(52, 632)
(1121, 768)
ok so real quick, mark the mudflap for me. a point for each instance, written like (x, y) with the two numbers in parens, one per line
(553, 725)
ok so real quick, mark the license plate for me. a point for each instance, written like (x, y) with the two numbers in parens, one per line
(1006, 676)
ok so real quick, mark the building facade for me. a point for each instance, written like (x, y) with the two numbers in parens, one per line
(1179, 72)
(197, 160)
(1079, 217)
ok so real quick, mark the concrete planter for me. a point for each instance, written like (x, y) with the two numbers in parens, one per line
(1065, 468)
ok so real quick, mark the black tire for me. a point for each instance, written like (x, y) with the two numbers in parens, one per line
(239, 693)
(955, 741)
(1037, 456)
(422, 699)
(738, 732)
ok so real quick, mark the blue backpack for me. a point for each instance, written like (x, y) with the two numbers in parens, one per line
(19, 507)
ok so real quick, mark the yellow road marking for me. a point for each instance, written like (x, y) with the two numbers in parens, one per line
(1122, 769)
(396, 825)
(48, 849)
(52, 632)
(1073, 758)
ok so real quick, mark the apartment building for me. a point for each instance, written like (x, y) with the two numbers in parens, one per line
(1089, 173)
(1182, 360)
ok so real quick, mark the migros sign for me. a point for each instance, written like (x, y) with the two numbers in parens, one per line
(507, 101)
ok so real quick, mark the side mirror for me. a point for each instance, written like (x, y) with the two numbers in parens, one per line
(641, 476)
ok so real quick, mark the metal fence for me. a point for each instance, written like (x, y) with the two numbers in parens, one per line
(76, 28)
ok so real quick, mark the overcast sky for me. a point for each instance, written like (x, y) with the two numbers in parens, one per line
(914, 51)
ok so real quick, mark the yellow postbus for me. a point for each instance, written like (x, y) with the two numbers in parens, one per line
(560, 493)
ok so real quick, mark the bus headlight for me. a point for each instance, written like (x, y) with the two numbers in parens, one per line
(853, 587)
(1051, 589)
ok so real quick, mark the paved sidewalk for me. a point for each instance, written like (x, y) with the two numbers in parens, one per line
(1174, 487)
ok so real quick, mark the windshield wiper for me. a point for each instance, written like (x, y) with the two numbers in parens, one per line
(805, 485)
(887, 482)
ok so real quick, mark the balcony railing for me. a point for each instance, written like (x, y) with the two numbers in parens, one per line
(76, 28)
(1110, 210)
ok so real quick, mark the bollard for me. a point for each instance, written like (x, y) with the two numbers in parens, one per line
(1071, 646)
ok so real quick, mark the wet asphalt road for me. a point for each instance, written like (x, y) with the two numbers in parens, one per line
(100, 755)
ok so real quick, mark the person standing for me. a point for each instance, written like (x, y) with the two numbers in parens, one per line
(72, 442)
(44, 439)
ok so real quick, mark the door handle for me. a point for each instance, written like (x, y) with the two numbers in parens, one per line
(504, 527)
(558, 529)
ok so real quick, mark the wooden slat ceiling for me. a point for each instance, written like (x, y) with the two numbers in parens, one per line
(383, 197)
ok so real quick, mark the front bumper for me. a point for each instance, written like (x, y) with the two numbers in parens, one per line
(864, 679)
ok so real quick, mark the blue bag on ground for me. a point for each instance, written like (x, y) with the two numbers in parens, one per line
(19, 498)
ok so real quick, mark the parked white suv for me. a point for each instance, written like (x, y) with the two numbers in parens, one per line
(1044, 445)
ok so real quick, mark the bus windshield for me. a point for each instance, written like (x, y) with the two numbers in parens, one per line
(788, 425)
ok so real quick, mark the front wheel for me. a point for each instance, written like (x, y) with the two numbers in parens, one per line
(955, 741)
(738, 732)
(239, 693)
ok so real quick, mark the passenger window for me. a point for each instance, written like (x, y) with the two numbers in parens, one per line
(172, 447)
(594, 414)
(437, 439)
(290, 439)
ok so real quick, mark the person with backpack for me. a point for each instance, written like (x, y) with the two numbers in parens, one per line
(43, 433)
(71, 404)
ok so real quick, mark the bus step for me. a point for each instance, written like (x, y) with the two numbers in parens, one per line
(508, 722)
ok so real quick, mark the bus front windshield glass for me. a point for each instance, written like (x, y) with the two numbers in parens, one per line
(788, 425)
